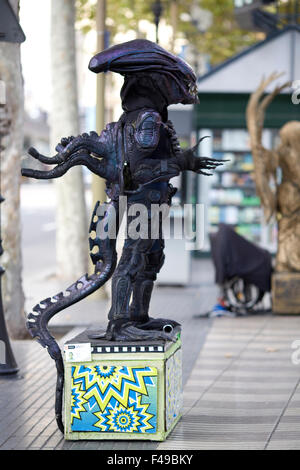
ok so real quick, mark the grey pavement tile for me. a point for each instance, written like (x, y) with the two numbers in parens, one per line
(203, 374)
(25, 442)
(190, 395)
(227, 429)
(76, 445)
(221, 386)
(281, 444)
(92, 445)
(233, 412)
(288, 426)
(217, 436)
(211, 445)
(266, 362)
(254, 375)
(282, 344)
(241, 398)
(219, 357)
(266, 356)
(218, 346)
(294, 405)
(233, 333)
(105, 445)
(216, 362)
(259, 392)
(199, 384)
(11, 443)
(22, 423)
(38, 442)
(292, 411)
(239, 405)
(222, 420)
(262, 367)
(50, 428)
(286, 435)
(295, 398)
(58, 442)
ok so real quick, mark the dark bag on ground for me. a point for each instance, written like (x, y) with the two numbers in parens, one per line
(241, 268)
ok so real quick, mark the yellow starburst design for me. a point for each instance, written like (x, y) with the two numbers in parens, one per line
(118, 384)
(124, 420)
(101, 374)
(120, 419)
(77, 401)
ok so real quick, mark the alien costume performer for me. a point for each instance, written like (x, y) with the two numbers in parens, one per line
(137, 156)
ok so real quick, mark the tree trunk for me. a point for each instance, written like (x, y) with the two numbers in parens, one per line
(13, 296)
(71, 225)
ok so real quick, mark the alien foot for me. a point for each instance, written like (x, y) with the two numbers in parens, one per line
(154, 329)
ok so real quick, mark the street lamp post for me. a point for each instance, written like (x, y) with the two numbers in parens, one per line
(157, 10)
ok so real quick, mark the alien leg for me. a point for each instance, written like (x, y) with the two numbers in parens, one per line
(135, 275)
(140, 262)
(136, 270)
(144, 282)
(121, 290)
(153, 258)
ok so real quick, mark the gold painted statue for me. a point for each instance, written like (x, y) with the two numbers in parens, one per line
(280, 198)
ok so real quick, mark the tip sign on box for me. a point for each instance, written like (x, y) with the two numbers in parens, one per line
(79, 352)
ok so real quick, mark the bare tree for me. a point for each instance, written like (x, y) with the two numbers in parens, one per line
(12, 147)
(71, 231)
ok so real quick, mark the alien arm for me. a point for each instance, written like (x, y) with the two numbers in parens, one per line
(166, 168)
(84, 150)
(149, 130)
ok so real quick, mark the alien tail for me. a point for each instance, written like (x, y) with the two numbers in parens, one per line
(104, 260)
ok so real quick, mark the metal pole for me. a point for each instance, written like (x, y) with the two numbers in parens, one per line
(157, 9)
(8, 365)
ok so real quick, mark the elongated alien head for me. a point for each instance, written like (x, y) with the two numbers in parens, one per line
(147, 66)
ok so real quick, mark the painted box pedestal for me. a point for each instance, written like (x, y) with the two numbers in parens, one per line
(121, 390)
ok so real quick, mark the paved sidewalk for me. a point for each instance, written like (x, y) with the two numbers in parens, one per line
(241, 389)
(243, 392)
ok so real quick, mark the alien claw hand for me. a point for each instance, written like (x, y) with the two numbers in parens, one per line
(189, 161)
(201, 163)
